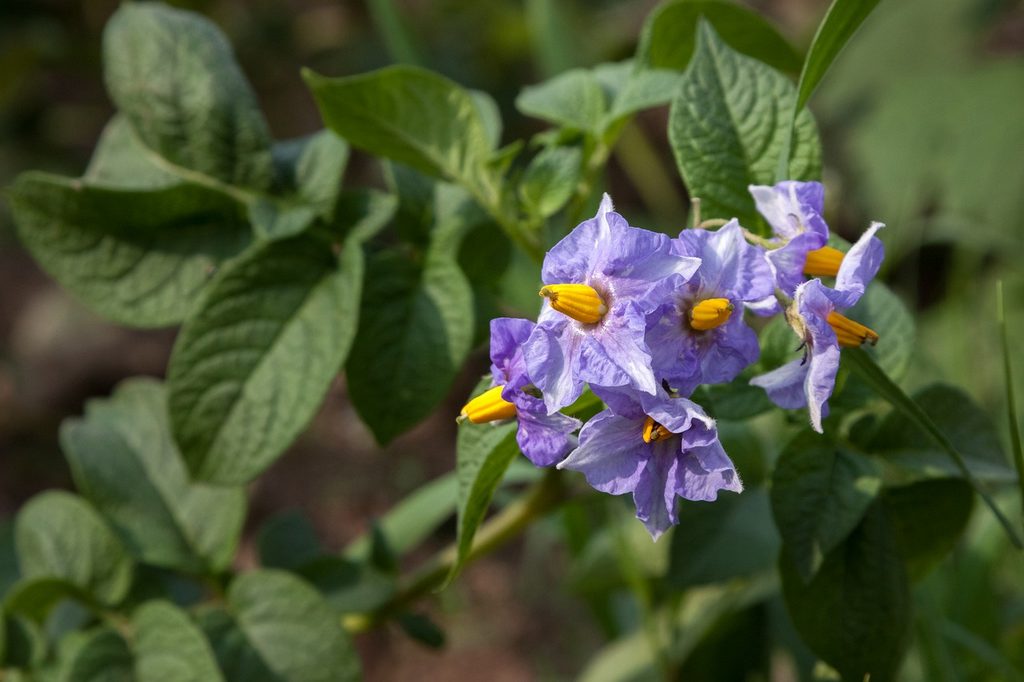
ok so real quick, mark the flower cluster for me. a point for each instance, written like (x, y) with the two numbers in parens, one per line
(644, 319)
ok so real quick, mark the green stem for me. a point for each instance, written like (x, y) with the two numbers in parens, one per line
(545, 496)
(887, 388)
(1011, 402)
(396, 38)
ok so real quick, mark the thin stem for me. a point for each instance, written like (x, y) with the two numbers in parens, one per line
(1011, 402)
(545, 496)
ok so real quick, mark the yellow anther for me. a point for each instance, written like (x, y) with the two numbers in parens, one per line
(823, 262)
(851, 334)
(489, 406)
(710, 313)
(579, 301)
(653, 431)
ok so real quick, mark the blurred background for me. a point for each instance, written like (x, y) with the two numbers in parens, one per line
(922, 120)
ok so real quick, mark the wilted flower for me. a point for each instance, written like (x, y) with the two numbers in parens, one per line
(600, 283)
(815, 318)
(698, 335)
(664, 448)
(544, 438)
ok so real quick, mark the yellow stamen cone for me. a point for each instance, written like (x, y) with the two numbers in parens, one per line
(489, 406)
(851, 334)
(579, 301)
(710, 313)
(823, 262)
(653, 431)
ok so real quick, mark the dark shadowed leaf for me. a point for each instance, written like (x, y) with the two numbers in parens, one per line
(169, 647)
(928, 519)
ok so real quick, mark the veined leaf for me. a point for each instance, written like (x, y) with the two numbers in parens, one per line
(550, 179)
(250, 368)
(121, 161)
(137, 257)
(573, 99)
(727, 126)
(169, 647)
(416, 325)
(668, 37)
(58, 535)
(277, 628)
(172, 74)
(125, 462)
(928, 518)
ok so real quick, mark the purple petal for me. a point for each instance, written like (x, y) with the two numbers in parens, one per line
(859, 266)
(572, 259)
(543, 438)
(732, 348)
(820, 382)
(615, 353)
(787, 262)
(684, 417)
(552, 355)
(611, 453)
(507, 364)
(655, 495)
(785, 385)
(792, 207)
(730, 267)
(705, 470)
(765, 307)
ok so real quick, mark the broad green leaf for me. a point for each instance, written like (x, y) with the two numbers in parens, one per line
(727, 126)
(820, 492)
(550, 180)
(668, 37)
(483, 453)
(102, 657)
(35, 598)
(121, 161)
(276, 628)
(928, 519)
(171, 73)
(250, 368)
(125, 462)
(58, 535)
(137, 257)
(643, 89)
(843, 19)
(490, 116)
(289, 541)
(409, 115)
(169, 647)
(734, 400)
(855, 612)
(416, 325)
(573, 99)
(721, 540)
(904, 445)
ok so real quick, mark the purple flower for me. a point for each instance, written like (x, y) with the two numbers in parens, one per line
(815, 317)
(544, 438)
(793, 210)
(666, 448)
(696, 336)
(601, 281)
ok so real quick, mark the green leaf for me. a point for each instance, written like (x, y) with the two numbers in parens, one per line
(668, 37)
(172, 74)
(35, 598)
(416, 325)
(420, 628)
(409, 115)
(483, 453)
(137, 257)
(23, 646)
(279, 629)
(721, 540)
(289, 541)
(843, 19)
(905, 445)
(727, 126)
(573, 99)
(102, 657)
(125, 462)
(550, 180)
(643, 89)
(820, 492)
(1016, 445)
(734, 400)
(58, 535)
(250, 368)
(855, 612)
(349, 586)
(169, 647)
(490, 116)
(120, 160)
(928, 519)
(883, 311)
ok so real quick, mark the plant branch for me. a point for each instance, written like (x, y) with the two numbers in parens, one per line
(543, 497)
